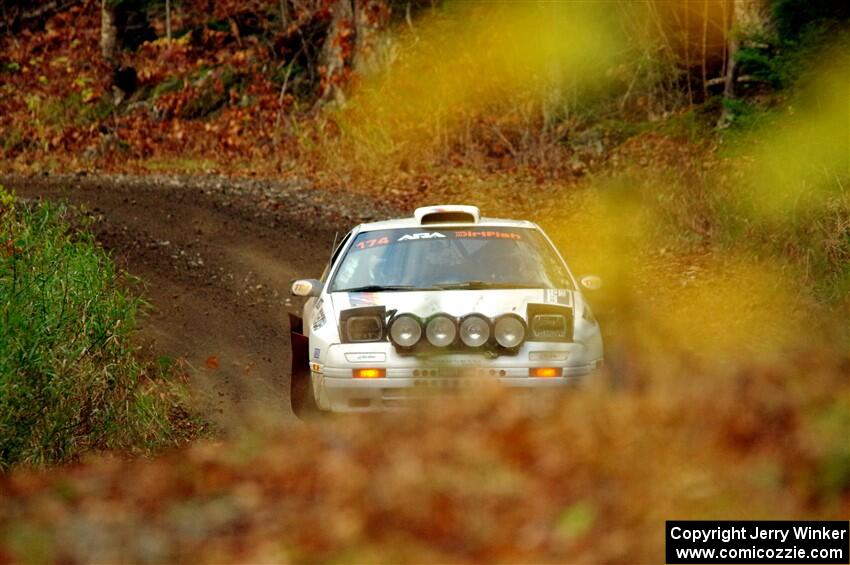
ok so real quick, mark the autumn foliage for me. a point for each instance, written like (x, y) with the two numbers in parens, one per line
(246, 86)
(70, 112)
(724, 247)
(589, 477)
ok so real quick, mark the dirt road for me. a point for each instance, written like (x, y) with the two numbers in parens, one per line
(217, 257)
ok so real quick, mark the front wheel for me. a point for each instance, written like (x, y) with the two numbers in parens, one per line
(301, 395)
(300, 383)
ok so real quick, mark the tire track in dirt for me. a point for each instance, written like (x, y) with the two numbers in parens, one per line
(217, 262)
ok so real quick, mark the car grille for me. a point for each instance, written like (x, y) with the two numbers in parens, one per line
(441, 381)
(458, 373)
(426, 388)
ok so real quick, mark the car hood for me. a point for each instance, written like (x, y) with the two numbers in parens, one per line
(457, 303)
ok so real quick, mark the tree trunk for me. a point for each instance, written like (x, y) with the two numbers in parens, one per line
(284, 16)
(168, 20)
(746, 15)
(731, 66)
(687, 45)
(108, 31)
(704, 50)
(337, 51)
(554, 102)
(370, 19)
(354, 41)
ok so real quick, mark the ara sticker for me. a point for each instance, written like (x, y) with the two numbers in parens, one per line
(317, 352)
(559, 296)
(423, 235)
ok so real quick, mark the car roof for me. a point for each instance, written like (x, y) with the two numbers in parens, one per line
(414, 223)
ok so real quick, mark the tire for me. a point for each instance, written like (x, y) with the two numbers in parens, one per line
(301, 395)
(300, 383)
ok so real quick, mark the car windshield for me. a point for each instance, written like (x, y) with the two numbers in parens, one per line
(426, 258)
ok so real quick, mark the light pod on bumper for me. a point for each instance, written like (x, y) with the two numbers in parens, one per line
(405, 330)
(440, 331)
(509, 331)
(474, 330)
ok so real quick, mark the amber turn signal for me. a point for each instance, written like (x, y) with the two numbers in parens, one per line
(546, 372)
(369, 373)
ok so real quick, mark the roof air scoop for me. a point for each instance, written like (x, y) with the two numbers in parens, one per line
(449, 214)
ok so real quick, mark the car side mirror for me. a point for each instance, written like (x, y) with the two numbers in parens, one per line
(590, 282)
(306, 287)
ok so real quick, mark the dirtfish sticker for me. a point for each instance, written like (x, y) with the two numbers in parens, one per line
(488, 234)
(317, 352)
(559, 296)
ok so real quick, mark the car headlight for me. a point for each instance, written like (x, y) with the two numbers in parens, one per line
(509, 331)
(440, 331)
(474, 331)
(405, 331)
(549, 326)
(550, 322)
(364, 328)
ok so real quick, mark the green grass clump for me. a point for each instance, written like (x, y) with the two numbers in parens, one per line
(70, 381)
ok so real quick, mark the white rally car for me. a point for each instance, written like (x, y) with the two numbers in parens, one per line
(437, 302)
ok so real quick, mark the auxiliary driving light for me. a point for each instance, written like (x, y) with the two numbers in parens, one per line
(364, 328)
(474, 331)
(441, 331)
(509, 331)
(546, 372)
(549, 326)
(369, 373)
(405, 331)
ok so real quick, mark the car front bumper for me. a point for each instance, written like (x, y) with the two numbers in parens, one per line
(410, 377)
(402, 387)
